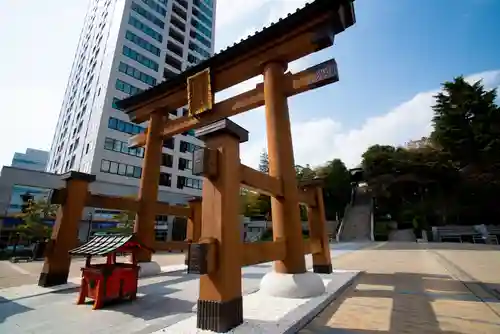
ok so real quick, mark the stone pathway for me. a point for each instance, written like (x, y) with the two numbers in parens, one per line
(411, 288)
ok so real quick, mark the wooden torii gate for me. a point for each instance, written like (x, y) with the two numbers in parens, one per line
(268, 52)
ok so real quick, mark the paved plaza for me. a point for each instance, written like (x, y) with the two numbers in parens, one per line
(417, 288)
(406, 288)
(163, 300)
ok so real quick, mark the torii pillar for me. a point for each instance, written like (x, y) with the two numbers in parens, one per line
(144, 225)
(290, 277)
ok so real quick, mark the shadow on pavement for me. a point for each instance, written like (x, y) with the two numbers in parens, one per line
(411, 310)
(9, 308)
(393, 245)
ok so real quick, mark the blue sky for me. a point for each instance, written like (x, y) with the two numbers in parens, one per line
(390, 63)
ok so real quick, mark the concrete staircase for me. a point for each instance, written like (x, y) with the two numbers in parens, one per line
(402, 236)
(356, 225)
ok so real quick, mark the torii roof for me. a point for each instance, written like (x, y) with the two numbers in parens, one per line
(297, 19)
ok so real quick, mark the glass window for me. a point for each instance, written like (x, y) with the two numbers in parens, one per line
(201, 17)
(117, 145)
(147, 15)
(113, 167)
(129, 70)
(154, 6)
(137, 172)
(124, 148)
(145, 29)
(129, 128)
(204, 30)
(121, 126)
(134, 55)
(130, 171)
(115, 99)
(122, 168)
(108, 143)
(204, 8)
(199, 50)
(105, 165)
(112, 123)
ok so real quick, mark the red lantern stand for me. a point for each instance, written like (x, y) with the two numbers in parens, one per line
(110, 281)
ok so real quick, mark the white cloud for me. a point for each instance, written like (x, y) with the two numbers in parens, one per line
(490, 79)
(280, 9)
(230, 12)
(319, 140)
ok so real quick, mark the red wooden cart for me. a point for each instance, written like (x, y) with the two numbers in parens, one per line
(110, 281)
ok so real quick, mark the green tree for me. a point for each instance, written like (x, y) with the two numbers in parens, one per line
(452, 176)
(255, 204)
(126, 221)
(408, 183)
(264, 162)
(337, 187)
(34, 216)
(304, 173)
(467, 123)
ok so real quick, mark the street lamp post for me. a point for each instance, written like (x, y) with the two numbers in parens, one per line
(16, 242)
(89, 218)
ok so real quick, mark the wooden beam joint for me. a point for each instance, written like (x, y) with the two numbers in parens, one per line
(313, 246)
(262, 252)
(261, 182)
(307, 197)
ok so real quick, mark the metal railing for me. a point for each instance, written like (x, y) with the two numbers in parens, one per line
(349, 205)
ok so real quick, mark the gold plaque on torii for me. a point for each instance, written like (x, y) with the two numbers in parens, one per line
(199, 89)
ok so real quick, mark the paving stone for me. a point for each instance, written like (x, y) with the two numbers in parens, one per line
(408, 288)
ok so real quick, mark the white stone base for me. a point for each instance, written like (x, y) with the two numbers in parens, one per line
(274, 315)
(149, 269)
(305, 285)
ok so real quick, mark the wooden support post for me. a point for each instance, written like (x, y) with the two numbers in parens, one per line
(193, 229)
(65, 232)
(148, 192)
(193, 232)
(322, 262)
(285, 210)
(220, 305)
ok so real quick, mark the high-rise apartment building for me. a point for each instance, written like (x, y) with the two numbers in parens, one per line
(127, 46)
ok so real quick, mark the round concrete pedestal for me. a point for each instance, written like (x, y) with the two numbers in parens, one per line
(303, 285)
(149, 269)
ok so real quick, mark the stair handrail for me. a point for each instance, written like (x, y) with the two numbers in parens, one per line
(340, 226)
